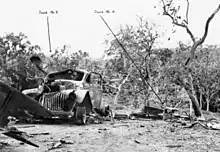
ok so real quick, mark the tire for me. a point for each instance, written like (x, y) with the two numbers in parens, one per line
(81, 115)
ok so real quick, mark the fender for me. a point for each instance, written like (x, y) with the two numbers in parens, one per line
(80, 94)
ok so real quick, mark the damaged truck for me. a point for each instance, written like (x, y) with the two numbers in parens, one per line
(70, 94)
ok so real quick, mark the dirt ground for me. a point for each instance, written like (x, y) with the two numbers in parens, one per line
(127, 135)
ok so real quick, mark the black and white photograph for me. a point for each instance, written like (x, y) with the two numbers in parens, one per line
(110, 76)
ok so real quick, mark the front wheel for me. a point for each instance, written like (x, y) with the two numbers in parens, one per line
(80, 115)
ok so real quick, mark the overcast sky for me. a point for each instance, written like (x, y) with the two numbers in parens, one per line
(77, 25)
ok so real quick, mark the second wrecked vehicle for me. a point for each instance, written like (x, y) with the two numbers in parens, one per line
(71, 93)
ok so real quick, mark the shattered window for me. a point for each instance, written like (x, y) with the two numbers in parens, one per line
(68, 75)
(77, 76)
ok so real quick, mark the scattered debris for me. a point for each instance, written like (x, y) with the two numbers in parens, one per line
(214, 126)
(140, 134)
(121, 116)
(183, 123)
(4, 144)
(209, 125)
(175, 125)
(60, 143)
(172, 129)
(56, 145)
(153, 112)
(43, 133)
(103, 111)
(26, 126)
(138, 115)
(115, 126)
(168, 113)
(138, 142)
(174, 146)
(95, 118)
(141, 119)
(63, 141)
(104, 129)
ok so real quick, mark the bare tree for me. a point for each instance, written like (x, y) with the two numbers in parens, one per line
(170, 10)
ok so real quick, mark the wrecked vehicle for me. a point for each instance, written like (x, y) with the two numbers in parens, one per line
(12, 100)
(71, 93)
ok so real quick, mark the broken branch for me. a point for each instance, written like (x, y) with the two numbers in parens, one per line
(175, 22)
(199, 42)
(187, 12)
(18, 135)
(207, 26)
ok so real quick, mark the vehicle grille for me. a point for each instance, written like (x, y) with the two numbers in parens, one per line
(54, 101)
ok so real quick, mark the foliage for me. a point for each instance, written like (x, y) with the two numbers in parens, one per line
(15, 51)
(165, 70)
(17, 70)
(139, 42)
(204, 71)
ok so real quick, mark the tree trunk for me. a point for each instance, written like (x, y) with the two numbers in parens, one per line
(146, 99)
(146, 94)
(200, 99)
(207, 104)
(188, 85)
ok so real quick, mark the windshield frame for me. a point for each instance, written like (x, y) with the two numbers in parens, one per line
(69, 74)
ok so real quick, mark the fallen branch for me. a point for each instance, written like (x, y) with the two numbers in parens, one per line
(197, 122)
(209, 126)
(18, 135)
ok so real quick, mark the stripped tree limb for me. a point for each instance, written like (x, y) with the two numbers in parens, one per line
(207, 25)
(200, 41)
(187, 12)
(175, 22)
(119, 88)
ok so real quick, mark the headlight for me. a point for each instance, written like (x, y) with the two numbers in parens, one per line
(72, 96)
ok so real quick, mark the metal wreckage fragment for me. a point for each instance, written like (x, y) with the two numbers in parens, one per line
(10, 101)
